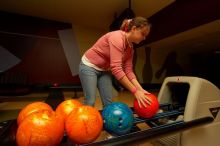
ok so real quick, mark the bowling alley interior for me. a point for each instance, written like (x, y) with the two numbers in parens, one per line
(42, 44)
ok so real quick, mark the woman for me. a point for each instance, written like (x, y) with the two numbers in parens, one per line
(113, 53)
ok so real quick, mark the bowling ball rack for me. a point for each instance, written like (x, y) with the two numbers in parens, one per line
(157, 129)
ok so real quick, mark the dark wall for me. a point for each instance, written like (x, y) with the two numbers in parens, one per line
(206, 65)
(36, 43)
(180, 16)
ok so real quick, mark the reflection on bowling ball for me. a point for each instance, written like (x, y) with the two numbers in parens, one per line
(66, 107)
(31, 108)
(148, 111)
(118, 118)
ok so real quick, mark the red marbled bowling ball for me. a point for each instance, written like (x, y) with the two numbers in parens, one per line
(148, 111)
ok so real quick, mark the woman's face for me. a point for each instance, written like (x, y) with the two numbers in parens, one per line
(139, 34)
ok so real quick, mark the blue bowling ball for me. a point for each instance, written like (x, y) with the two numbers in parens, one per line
(118, 118)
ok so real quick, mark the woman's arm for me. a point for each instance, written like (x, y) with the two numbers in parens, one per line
(116, 44)
(138, 86)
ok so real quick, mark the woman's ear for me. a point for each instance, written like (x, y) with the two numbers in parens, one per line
(133, 28)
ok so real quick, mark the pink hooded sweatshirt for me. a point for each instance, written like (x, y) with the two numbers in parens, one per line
(111, 52)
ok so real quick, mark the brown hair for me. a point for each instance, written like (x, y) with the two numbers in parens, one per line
(138, 22)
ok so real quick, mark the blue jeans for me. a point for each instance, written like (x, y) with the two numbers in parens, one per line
(91, 79)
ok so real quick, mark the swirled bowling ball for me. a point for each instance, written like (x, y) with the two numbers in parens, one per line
(41, 128)
(118, 118)
(148, 111)
(84, 124)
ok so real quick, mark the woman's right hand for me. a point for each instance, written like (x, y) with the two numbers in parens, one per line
(142, 98)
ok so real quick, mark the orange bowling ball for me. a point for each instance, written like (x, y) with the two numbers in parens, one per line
(30, 108)
(148, 111)
(43, 128)
(66, 107)
(84, 125)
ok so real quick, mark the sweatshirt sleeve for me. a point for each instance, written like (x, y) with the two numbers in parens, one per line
(128, 66)
(116, 44)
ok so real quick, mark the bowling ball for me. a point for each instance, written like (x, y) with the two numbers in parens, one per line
(118, 118)
(30, 108)
(66, 107)
(84, 125)
(148, 111)
(43, 128)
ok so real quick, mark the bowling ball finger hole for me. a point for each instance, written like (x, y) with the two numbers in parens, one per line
(119, 125)
(120, 122)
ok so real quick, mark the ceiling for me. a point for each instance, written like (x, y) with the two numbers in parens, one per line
(92, 13)
(99, 14)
